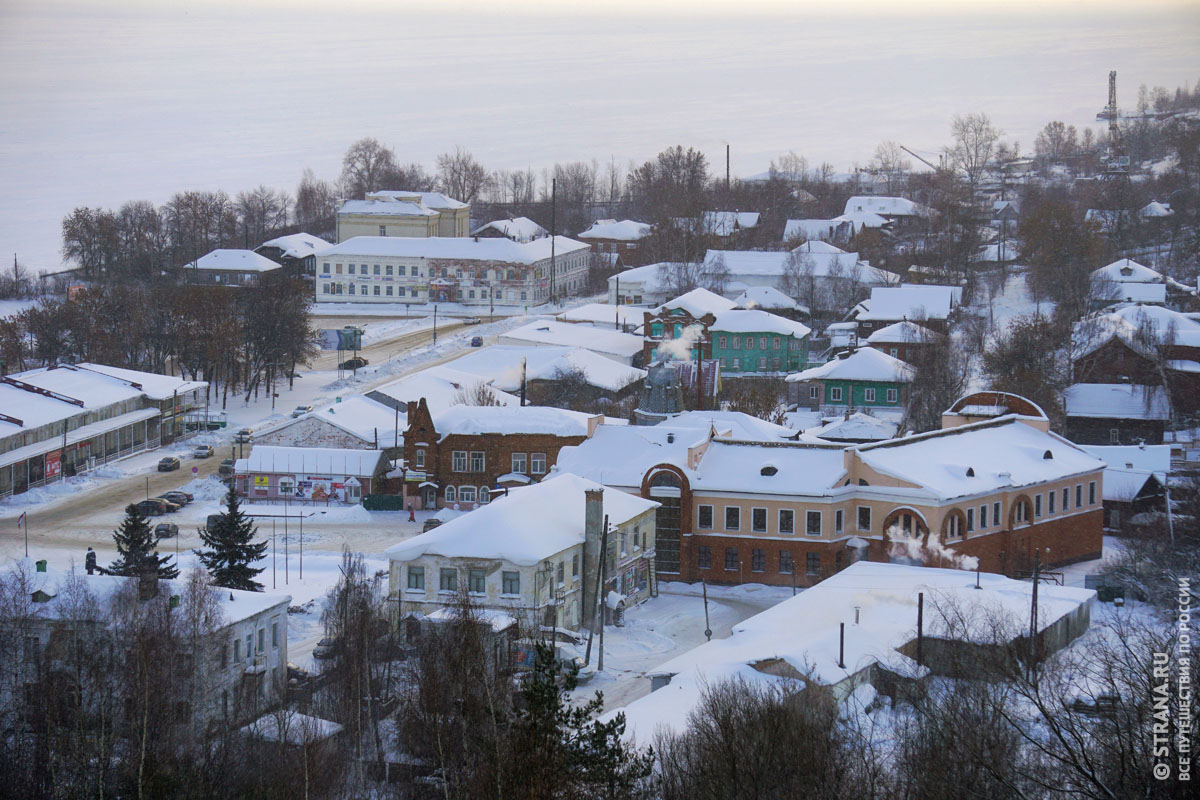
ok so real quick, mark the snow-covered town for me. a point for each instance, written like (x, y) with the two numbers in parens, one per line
(600, 480)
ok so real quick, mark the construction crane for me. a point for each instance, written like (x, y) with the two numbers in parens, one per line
(1117, 160)
(918, 158)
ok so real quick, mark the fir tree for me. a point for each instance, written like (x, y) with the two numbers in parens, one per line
(136, 548)
(564, 750)
(230, 553)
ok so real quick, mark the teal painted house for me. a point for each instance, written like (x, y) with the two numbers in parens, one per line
(755, 342)
(859, 380)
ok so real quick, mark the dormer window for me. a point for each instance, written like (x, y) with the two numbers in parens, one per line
(1047, 455)
(768, 470)
(970, 472)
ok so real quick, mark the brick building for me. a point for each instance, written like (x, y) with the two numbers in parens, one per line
(623, 238)
(787, 513)
(466, 453)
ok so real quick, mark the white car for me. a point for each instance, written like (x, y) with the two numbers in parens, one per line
(300, 411)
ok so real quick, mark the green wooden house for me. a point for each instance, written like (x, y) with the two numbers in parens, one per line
(755, 342)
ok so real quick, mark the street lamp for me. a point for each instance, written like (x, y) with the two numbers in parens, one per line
(435, 324)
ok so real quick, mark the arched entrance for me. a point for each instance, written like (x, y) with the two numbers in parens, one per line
(905, 522)
(666, 489)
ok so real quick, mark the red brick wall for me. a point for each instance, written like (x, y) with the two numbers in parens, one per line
(1074, 538)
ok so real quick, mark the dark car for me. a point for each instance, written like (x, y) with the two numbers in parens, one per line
(165, 530)
(353, 363)
(476, 341)
(179, 497)
(326, 648)
(226, 467)
(152, 508)
(430, 524)
(168, 464)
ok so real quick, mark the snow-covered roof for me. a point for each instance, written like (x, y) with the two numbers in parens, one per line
(903, 332)
(297, 245)
(739, 320)
(292, 728)
(731, 424)
(885, 206)
(864, 364)
(1154, 458)
(528, 525)
(992, 252)
(234, 605)
(800, 468)
(626, 230)
(390, 208)
(496, 619)
(357, 415)
(566, 334)
(520, 229)
(462, 248)
(858, 427)
(621, 456)
(1124, 485)
(92, 385)
(910, 302)
(1126, 270)
(750, 262)
(440, 386)
(501, 366)
(1162, 321)
(767, 297)
(310, 460)
(1116, 401)
(605, 315)
(510, 420)
(1002, 453)
(863, 219)
(820, 248)
(724, 223)
(649, 276)
(803, 633)
(234, 261)
(1156, 209)
(428, 199)
(698, 302)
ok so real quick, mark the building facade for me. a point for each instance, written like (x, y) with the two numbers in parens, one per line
(754, 342)
(374, 269)
(468, 453)
(862, 380)
(406, 214)
(310, 474)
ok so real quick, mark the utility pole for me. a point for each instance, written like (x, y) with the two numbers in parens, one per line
(553, 232)
(727, 168)
(617, 312)
(435, 324)
(707, 626)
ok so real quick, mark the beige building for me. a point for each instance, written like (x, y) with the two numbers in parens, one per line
(532, 554)
(398, 213)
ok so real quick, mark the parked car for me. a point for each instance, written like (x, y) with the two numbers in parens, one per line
(430, 524)
(353, 363)
(226, 467)
(168, 464)
(179, 497)
(202, 451)
(243, 436)
(300, 411)
(471, 321)
(167, 505)
(211, 520)
(476, 341)
(152, 508)
(165, 530)
(325, 648)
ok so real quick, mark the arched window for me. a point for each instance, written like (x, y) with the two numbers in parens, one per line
(1021, 511)
(954, 526)
(451, 494)
(485, 494)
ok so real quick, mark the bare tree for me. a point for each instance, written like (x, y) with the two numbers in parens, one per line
(974, 145)
(460, 175)
(478, 394)
(315, 206)
(889, 160)
(366, 167)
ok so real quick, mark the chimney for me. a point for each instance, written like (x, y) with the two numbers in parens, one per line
(593, 531)
(148, 580)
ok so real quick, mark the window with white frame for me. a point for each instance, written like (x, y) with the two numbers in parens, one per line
(733, 518)
(893, 395)
(537, 464)
(466, 494)
(419, 458)
(520, 463)
(451, 494)
(758, 520)
(477, 460)
(953, 526)
(869, 395)
(458, 461)
(835, 394)
(704, 517)
(812, 525)
(448, 580)
(814, 392)
(476, 581)
(510, 582)
(787, 520)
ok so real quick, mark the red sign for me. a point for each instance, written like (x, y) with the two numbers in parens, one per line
(54, 464)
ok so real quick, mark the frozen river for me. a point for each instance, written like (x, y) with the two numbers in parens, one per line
(99, 106)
